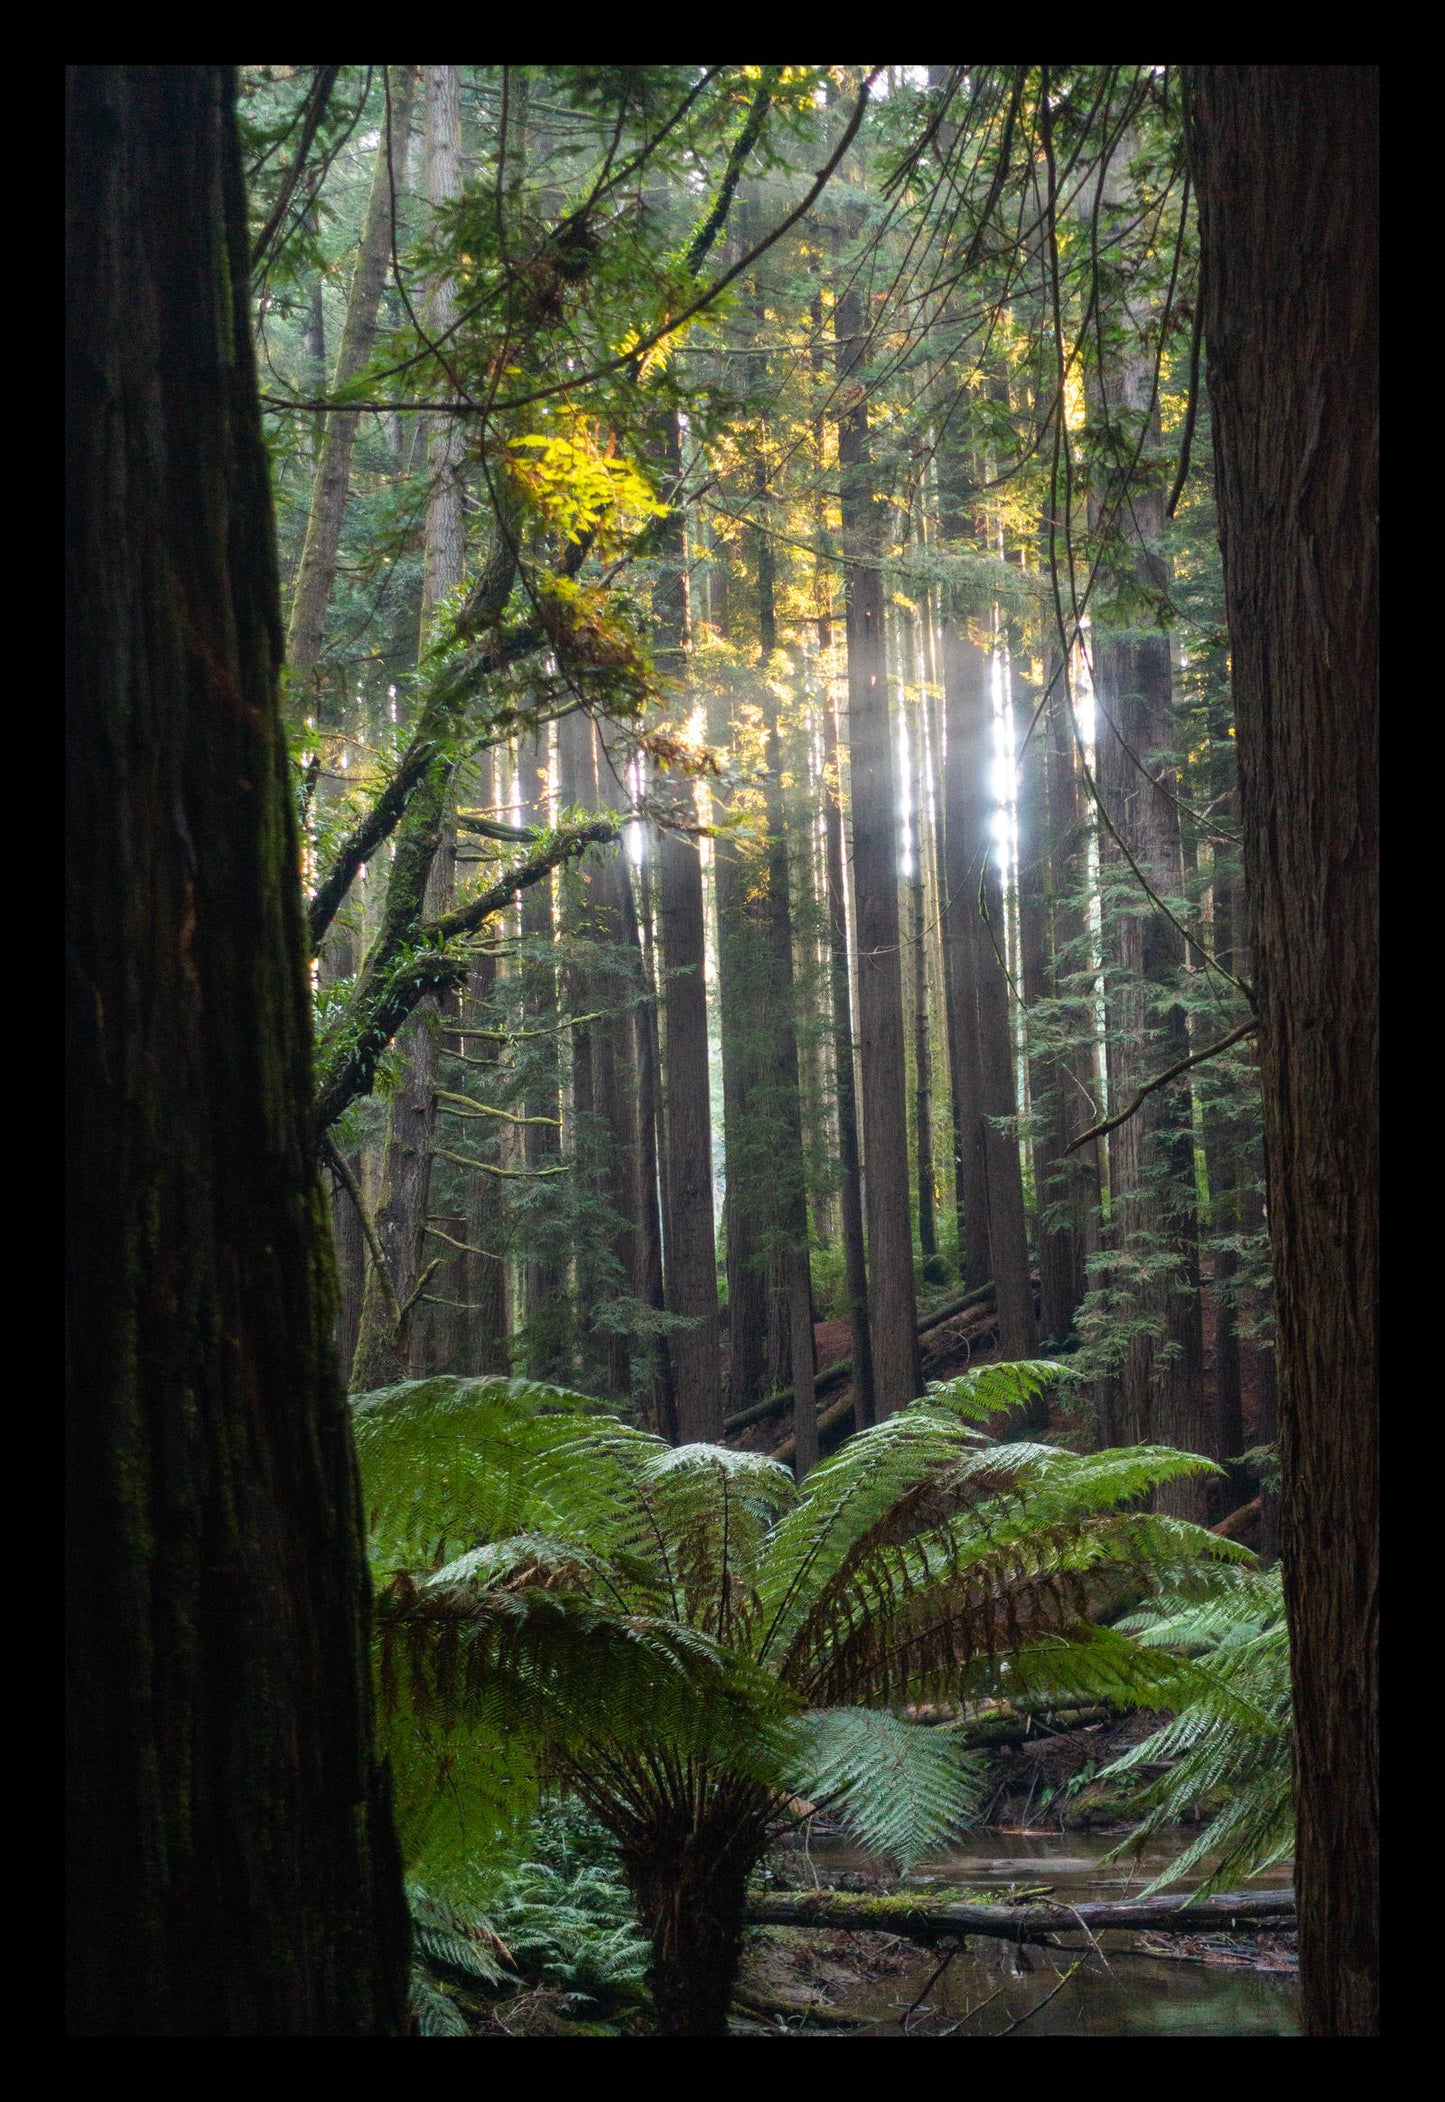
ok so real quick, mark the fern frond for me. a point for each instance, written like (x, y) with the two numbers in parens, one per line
(902, 1789)
(1231, 1729)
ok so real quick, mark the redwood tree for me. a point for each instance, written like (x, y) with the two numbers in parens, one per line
(232, 1869)
(1286, 159)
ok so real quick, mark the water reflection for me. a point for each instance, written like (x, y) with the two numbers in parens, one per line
(992, 1989)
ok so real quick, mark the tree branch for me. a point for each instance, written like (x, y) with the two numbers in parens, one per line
(318, 95)
(393, 985)
(1150, 1087)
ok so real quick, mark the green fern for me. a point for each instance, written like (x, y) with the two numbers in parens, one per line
(903, 1790)
(1233, 1730)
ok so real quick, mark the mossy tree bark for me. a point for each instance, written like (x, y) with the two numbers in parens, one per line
(1287, 163)
(232, 1869)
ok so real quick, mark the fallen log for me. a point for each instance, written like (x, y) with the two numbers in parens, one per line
(841, 1411)
(833, 1376)
(934, 1916)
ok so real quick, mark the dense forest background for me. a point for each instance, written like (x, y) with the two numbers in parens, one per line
(864, 608)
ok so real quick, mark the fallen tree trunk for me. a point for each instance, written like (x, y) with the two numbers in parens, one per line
(841, 1412)
(834, 1375)
(935, 1916)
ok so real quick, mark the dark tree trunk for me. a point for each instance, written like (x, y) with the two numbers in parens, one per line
(742, 1021)
(1287, 165)
(963, 667)
(922, 1042)
(991, 1177)
(795, 1360)
(892, 1302)
(232, 1869)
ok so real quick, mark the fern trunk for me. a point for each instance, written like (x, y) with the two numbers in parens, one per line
(690, 1888)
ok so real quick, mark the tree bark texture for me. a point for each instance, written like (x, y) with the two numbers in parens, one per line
(232, 1869)
(1286, 159)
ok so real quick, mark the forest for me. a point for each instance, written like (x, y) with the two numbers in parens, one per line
(722, 1098)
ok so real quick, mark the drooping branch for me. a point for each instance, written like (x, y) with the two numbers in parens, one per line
(1150, 1087)
(552, 849)
(456, 683)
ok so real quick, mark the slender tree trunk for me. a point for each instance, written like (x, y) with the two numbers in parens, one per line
(316, 572)
(542, 1278)
(383, 1353)
(743, 1019)
(691, 1265)
(616, 1073)
(1287, 164)
(991, 1178)
(231, 1864)
(796, 1363)
(964, 674)
(855, 1269)
(922, 1045)
(892, 1302)
(1151, 1156)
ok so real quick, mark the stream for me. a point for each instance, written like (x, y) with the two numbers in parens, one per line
(989, 1986)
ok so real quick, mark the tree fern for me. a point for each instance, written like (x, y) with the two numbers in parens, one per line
(689, 1641)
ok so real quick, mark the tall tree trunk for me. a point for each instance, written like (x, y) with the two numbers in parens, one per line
(990, 1176)
(964, 691)
(231, 1865)
(1151, 1156)
(792, 1281)
(384, 1353)
(316, 571)
(616, 1071)
(922, 1044)
(542, 1277)
(742, 1022)
(1054, 942)
(855, 1271)
(1287, 164)
(892, 1301)
(691, 1260)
